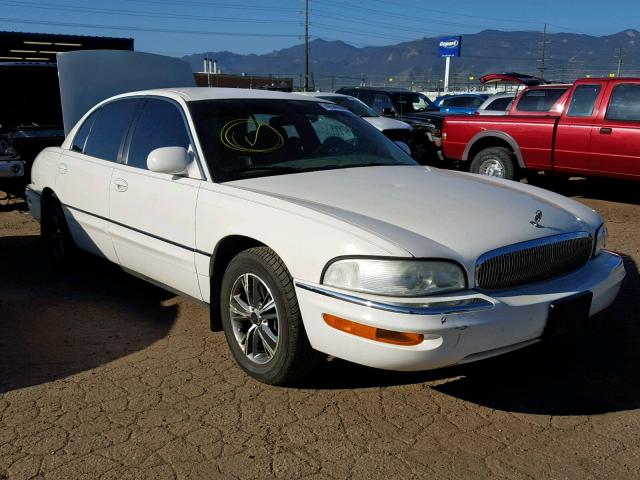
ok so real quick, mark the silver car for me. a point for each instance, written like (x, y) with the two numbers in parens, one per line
(497, 104)
(394, 129)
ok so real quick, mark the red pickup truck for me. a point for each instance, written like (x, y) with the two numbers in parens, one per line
(596, 132)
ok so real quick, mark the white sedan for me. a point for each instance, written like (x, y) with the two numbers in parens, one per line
(308, 232)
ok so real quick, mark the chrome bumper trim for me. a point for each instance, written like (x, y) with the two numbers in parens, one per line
(449, 307)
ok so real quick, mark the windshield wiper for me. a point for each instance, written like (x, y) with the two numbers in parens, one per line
(270, 168)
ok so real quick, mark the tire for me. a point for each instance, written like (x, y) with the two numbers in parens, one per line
(270, 344)
(494, 162)
(54, 231)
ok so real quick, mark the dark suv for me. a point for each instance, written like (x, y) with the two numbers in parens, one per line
(30, 119)
(411, 107)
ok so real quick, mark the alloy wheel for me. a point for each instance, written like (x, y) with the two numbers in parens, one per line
(254, 318)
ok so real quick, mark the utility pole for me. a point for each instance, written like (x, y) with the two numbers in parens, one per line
(306, 46)
(619, 57)
(543, 55)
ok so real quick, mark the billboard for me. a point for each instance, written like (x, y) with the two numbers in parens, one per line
(450, 46)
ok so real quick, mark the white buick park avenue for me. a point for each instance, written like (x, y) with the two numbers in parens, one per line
(309, 233)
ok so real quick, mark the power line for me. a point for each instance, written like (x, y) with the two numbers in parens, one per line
(359, 32)
(456, 14)
(217, 5)
(107, 11)
(144, 29)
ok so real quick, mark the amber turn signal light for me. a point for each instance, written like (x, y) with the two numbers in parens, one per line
(372, 333)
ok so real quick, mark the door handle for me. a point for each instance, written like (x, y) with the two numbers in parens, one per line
(120, 185)
(605, 131)
(62, 168)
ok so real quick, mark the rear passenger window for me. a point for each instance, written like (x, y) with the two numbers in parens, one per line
(109, 128)
(160, 125)
(500, 104)
(625, 103)
(82, 134)
(583, 101)
(539, 100)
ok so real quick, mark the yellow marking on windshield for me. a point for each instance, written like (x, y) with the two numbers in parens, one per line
(264, 132)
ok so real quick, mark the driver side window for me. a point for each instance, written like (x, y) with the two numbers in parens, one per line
(160, 125)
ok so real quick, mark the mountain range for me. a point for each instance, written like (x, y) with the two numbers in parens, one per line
(416, 63)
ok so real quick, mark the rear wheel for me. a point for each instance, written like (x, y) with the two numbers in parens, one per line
(261, 319)
(55, 233)
(494, 162)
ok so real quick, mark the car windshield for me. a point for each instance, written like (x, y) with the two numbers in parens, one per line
(247, 138)
(412, 102)
(352, 104)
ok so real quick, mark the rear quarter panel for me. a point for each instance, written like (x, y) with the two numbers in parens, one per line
(45, 167)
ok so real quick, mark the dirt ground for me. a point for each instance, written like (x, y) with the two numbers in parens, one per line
(105, 377)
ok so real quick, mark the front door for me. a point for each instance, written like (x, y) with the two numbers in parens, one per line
(153, 214)
(573, 133)
(615, 136)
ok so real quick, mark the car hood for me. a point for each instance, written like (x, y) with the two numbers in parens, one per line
(431, 212)
(435, 118)
(385, 123)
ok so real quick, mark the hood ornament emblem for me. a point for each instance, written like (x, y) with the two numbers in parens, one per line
(537, 219)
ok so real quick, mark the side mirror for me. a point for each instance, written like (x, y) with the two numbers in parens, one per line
(388, 112)
(170, 160)
(405, 148)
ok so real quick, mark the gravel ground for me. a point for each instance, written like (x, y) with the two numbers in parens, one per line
(105, 377)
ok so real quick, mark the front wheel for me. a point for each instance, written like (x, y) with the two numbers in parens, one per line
(494, 162)
(261, 319)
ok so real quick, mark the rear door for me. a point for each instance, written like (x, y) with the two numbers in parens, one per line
(153, 214)
(573, 133)
(84, 175)
(615, 135)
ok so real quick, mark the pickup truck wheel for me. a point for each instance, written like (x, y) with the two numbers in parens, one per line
(494, 162)
(261, 319)
(55, 233)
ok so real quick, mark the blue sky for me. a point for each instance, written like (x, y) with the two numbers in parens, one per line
(179, 27)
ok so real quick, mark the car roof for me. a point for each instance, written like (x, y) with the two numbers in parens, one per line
(194, 94)
(608, 79)
(449, 95)
(549, 85)
(495, 96)
(323, 94)
(386, 89)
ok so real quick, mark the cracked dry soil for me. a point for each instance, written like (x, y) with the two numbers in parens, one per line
(105, 377)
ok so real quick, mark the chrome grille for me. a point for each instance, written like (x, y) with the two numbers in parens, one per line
(533, 261)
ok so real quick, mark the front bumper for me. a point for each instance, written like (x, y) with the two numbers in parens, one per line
(11, 168)
(457, 329)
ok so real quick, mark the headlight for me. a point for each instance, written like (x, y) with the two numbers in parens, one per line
(601, 239)
(395, 278)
